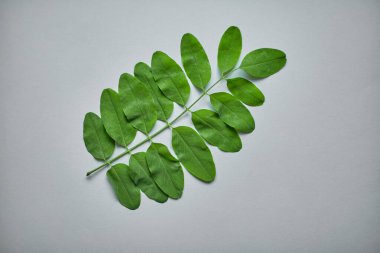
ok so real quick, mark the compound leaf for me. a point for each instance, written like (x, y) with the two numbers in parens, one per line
(229, 49)
(123, 186)
(245, 91)
(114, 120)
(164, 106)
(215, 131)
(140, 175)
(263, 62)
(149, 96)
(193, 153)
(165, 170)
(98, 143)
(137, 103)
(170, 78)
(195, 61)
(232, 112)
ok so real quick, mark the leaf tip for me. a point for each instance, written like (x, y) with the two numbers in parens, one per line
(187, 35)
(233, 28)
(140, 64)
(158, 52)
(107, 90)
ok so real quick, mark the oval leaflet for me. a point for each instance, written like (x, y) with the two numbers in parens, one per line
(193, 153)
(165, 170)
(164, 106)
(215, 131)
(195, 61)
(232, 112)
(142, 178)
(137, 103)
(114, 120)
(263, 62)
(170, 78)
(98, 143)
(229, 49)
(245, 91)
(124, 188)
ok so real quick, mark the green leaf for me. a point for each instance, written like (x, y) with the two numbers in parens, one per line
(195, 61)
(170, 78)
(141, 176)
(114, 120)
(164, 106)
(229, 49)
(263, 62)
(215, 131)
(165, 170)
(246, 91)
(232, 112)
(193, 153)
(137, 103)
(98, 143)
(149, 96)
(123, 186)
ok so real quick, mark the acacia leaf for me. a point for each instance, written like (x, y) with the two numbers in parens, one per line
(114, 120)
(170, 78)
(215, 131)
(142, 178)
(164, 106)
(137, 103)
(263, 62)
(150, 95)
(165, 170)
(123, 186)
(193, 153)
(245, 91)
(98, 143)
(232, 112)
(229, 49)
(195, 61)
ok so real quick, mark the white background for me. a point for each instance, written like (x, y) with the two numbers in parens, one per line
(307, 179)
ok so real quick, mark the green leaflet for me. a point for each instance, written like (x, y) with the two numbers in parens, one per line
(114, 121)
(193, 153)
(229, 49)
(232, 112)
(137, 103)
(215, 131)
(123, 186)
(170, 78)
(245, 91)
(263, 62)
(163, 104)
(165, 170)
(140, 175)
(195, 61)
(96, 139)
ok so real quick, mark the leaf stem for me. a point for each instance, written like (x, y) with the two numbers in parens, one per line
(109, 162)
